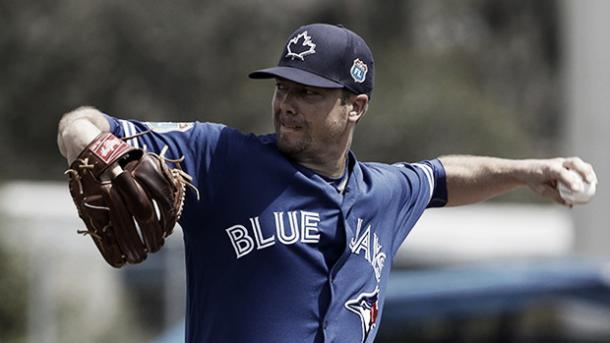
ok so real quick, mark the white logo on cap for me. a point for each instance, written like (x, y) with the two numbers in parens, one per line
(358, 71)
(296, 50)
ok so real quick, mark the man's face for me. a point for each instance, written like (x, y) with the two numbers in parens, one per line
(309, 121)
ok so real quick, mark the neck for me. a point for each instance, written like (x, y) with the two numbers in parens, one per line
(329, 163)
(331, 169)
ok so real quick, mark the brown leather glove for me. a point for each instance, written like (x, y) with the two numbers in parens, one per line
(130, 214)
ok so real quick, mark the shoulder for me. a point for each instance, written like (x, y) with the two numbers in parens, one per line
(378, 177)
(427, 167)
(241, 147)
(395, 176)
(378, 169)
(238, 138)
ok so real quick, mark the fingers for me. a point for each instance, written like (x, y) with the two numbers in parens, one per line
(571, 179)
(584, 169)
(551, 192)
(571, 173)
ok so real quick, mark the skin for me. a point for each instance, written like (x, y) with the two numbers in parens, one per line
(315, 128)
(77, 129)
(472, 179)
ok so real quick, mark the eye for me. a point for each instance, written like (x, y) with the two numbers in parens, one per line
(310, 92)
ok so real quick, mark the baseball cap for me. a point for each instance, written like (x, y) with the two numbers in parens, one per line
(327, 56)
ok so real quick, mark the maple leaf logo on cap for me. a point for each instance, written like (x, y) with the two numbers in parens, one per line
(296, 50)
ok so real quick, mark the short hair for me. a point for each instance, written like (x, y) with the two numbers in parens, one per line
(345, 95)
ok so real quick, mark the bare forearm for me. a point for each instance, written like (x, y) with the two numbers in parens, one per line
(472, 179)
(77, 129)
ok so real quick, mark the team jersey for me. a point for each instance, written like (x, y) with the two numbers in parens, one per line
(275, 252)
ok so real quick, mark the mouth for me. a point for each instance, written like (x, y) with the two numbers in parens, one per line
(289, 124)
(289, 127)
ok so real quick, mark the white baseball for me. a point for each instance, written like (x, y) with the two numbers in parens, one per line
(583, 194)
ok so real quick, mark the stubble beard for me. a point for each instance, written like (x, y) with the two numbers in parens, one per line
(292, 146)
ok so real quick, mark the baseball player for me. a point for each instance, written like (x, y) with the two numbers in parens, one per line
(291, 237)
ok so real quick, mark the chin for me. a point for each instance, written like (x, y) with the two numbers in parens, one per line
(290, 147)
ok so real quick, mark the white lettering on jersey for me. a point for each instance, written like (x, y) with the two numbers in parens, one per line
(305, 230)
(378, 258)
(374, 254)
(242, 242)
(361, 242)
(261, 242)
(281, 233)
(309, 225)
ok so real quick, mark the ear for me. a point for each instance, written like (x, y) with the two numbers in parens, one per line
(360, 104)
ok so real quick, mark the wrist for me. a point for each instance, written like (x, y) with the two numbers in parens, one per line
(105, 155)
(75, 137)
(524, 171)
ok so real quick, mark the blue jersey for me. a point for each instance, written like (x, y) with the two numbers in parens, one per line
(274, 252)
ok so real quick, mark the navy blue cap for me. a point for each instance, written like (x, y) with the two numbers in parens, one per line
(323, 55)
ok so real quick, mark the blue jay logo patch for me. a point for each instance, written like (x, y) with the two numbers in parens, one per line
(359, 70)
(366, 306)
(300, 46)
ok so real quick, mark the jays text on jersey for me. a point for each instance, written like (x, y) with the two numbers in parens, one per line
(274, 253)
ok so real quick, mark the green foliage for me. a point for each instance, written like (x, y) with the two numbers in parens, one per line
(471, 76)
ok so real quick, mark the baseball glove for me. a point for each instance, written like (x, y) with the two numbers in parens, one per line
(129, 212)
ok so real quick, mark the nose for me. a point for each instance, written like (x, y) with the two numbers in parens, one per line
(284, 101)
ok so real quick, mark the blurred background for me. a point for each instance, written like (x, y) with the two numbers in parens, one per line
(507, 78)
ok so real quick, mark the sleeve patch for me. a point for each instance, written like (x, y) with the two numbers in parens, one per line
(163, 127)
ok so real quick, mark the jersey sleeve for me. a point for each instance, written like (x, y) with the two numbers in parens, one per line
(424, 185)
(195, 143)
(434, 173)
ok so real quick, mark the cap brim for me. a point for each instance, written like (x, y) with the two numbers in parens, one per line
(295, 75)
